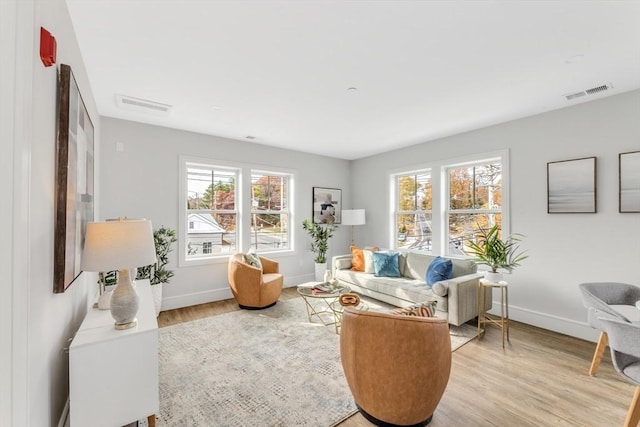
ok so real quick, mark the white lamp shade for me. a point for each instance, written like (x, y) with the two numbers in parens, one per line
(353, 217)
(118, 245)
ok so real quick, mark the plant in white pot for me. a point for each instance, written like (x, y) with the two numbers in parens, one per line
(491, 250)
(320, 235)
(157, 273)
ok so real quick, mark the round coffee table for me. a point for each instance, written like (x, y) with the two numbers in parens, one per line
(323, 307)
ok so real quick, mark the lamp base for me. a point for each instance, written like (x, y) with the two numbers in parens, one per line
(121, 326)
(124, 302)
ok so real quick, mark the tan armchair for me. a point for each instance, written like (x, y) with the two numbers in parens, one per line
(252, 287)
(397, 367)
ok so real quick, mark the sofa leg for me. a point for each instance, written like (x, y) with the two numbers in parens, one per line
(381, 423)
(246, 307)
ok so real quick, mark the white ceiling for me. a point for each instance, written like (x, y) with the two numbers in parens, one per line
(280, 71)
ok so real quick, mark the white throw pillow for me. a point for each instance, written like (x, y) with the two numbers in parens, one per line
(253, 259)
(368, 261)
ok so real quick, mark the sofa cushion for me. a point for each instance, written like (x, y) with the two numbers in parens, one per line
(343, 263)
(439, 269)
(357, 259)
(417, 264)
(386, 264)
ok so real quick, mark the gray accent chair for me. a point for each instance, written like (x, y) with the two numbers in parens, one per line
(608, 299)
(624, 341)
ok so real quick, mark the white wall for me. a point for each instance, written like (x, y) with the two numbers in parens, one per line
(42, 321)
(142, 181)
(564, 249)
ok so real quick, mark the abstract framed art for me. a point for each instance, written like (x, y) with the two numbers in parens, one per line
(629, 182)
(327, 205)
(571, 186)
(74, 180)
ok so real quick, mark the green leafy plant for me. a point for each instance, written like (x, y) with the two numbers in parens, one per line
(320, 235)
(489, 249)
(163, 239)
(402, 228)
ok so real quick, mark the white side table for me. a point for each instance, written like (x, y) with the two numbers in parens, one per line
(483, 317)
(113, 374)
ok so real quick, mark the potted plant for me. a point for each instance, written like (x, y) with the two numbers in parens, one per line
(158, 273)
(320, 235)
(493, 251)
(402, 233)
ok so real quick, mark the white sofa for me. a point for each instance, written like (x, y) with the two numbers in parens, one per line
(457, 297)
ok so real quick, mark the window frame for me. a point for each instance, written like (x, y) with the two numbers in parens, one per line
(440, 197)
(269, 172)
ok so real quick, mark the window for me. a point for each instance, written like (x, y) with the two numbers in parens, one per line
(474, 201)
(212, 211)
(439, 207)
(413, 210)
(270, 215)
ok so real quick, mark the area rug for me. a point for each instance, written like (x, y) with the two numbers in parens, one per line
(260, 368)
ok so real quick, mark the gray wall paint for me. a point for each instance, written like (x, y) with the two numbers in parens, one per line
(564, 249)
(42, 321)
(142, 181)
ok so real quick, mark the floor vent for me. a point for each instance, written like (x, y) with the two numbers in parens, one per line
(593, 91)
(142, 105)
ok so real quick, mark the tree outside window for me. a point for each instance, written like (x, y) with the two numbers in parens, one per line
(270, 225)
(413, 211)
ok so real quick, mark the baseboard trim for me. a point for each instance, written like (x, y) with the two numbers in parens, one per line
(550, 322)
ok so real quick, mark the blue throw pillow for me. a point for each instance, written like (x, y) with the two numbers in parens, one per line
(439, 269)
(385, 264)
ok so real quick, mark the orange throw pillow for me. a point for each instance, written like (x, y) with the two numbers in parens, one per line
(357, 260)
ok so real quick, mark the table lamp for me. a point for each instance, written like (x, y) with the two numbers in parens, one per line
(120, 245)
(353, 217)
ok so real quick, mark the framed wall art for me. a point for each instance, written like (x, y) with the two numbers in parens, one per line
(571, 186)
(327, 205)
(629, 182)
(74, 180)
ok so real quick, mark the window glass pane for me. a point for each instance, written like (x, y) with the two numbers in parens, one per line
(423, 191)
(210, 189)
(269, 231)
(211, 234)
(463, 227)
(475, 187)
(414, 231)
(269, 192)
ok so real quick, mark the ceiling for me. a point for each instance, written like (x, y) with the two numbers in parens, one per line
(350, 79)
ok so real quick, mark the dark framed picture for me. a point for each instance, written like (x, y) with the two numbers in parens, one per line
(571, 186)
(629, 181)
(327, 205)
(74, 180)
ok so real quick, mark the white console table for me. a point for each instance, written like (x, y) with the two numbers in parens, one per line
(113, 374)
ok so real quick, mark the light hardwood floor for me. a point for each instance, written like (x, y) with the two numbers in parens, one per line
(540, 379)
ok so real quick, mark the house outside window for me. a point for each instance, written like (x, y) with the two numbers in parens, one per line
(270, 211)
(212, 211)
(413, 210)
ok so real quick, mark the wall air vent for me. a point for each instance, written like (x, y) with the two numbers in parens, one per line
(142, 105)
(593, 91)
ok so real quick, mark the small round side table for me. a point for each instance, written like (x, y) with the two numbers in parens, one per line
(483, 317)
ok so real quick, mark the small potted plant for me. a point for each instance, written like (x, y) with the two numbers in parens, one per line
(491, 250)
(320, 235)
(402, 233)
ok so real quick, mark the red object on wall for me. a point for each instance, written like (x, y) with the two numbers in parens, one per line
(47, 48)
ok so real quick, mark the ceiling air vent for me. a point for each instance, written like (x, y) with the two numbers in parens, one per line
(593, 91)
(142, 105)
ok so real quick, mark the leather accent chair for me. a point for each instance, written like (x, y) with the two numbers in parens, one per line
(252, 287)
(614, 300)
(397, 367)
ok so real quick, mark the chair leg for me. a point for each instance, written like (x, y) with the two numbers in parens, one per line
(633, 415)
(597, 355)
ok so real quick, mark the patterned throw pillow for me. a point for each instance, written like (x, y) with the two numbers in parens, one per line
(439, 269)
(425, 309)
(386, 264)
(357, 259)
(253, 259)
